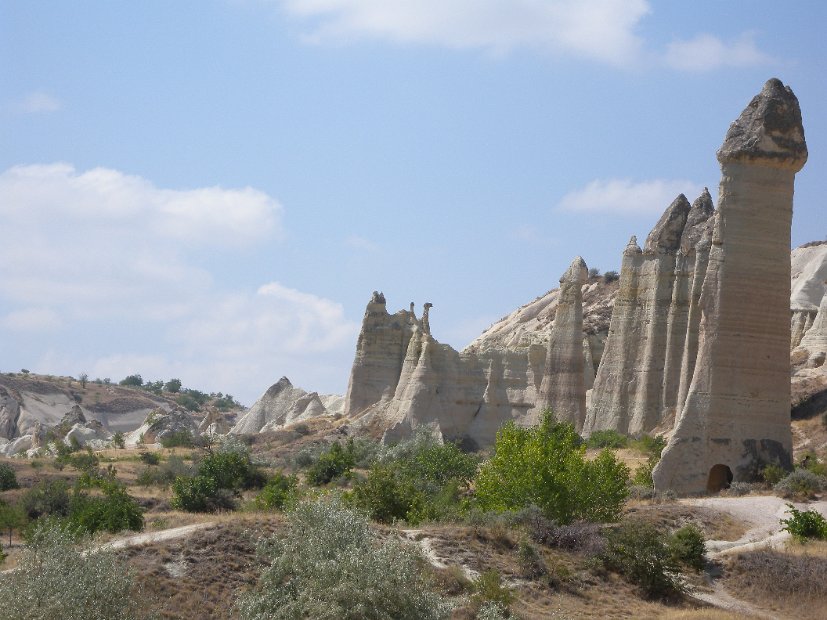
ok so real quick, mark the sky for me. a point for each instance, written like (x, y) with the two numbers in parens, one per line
(211, 189)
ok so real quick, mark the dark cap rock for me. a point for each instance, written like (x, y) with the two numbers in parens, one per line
(666, 235)
(769, 131)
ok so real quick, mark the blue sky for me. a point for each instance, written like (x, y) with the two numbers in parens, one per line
(212, 189)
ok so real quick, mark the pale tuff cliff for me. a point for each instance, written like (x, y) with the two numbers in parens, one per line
(283, 404)
(639, 377)
(403, 378)
(809, 285)
(736, 417)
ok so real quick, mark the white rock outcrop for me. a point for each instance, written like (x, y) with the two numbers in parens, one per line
(736, 417)
(281, 405)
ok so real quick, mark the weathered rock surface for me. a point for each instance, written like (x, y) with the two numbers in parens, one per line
(814, 341)
(88, 434)
(280, 405)
(563, 388)
(415, 381)
(736, 417)
(161, 423)
(809, 285)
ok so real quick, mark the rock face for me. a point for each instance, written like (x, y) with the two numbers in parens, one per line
(563, 388)
(415, 381)
(639, 376)
(815, 340)
(736, 417)
(809, 285)
(280, 405)
(160, 423)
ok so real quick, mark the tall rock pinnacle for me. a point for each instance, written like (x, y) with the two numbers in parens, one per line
(736, 417)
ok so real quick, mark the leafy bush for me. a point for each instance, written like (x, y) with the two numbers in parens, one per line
(773, 474)
(545, 466)
(113, 511)
(531, 562)
(610, 276)
(416, 480)
(488, 587)
(187, 401)
(607, 439)
(641, 554)
(8, 477)
(149, 458)
(178, 439)
(331, 565)
(218, 481)
(132, 380)
(801, 482)
(804, 524)
(173, 386)
(86, 461)
(11, 518)
(277, 492)
(118, 440)
(57, 579)
(46, 498)
(335, 462)
(688, 546)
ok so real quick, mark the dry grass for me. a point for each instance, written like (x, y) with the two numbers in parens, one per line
(702, 614)
(791, 584)
(715, 525)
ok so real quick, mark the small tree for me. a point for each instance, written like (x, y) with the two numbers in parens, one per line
(132, 380)
(8, 477)
(83, 378)
(545, 466)
(173, 385)
(11, 518)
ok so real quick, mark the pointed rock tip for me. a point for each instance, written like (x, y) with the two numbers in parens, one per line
(632, 247)
(768, 132)
(666, 235)
(377, 298)
(577, 272)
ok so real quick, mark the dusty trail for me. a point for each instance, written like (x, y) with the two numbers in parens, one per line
(764, 514)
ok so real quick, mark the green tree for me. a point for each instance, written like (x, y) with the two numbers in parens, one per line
(8, 477)
(545, 466)
(335, 462)
(83, 378)
(277, 492)
(11, 518)
(132, 380)
(173, 386)
(113, 511)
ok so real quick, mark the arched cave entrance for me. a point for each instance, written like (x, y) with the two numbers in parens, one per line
(720, 477)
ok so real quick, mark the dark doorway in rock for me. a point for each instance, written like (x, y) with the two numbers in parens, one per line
(720, 477)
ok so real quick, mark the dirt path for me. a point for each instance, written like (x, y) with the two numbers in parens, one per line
(764, 514)
(153, 537)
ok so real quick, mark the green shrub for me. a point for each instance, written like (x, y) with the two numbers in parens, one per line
(173, 386)
(804, 524)
(688, 547)
(607, 439)
(773, 474)
(187, 401)
(801, 482)
(219, 479)
(178, 439)
(58, 579)
(331, 565)
(132, 380)
(46, 498)
(11, 518)
(335, 462)
(386, 495)
(278, 491)
(640, 553)
(86, 461)
(643, 474)
(8, 477)
(545, 466)
(488, 587)
(149, 458)
(113, 511)
(118, 440)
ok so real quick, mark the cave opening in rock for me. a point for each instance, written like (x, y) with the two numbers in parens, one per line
(720, 477)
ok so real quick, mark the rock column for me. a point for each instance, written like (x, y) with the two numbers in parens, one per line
(563, 388)
(736, 418)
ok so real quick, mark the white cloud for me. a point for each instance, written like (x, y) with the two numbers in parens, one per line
(601, 30)
(627, 197)
(31, 319)
(38, 103)
(103, 250)
(706, 52)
